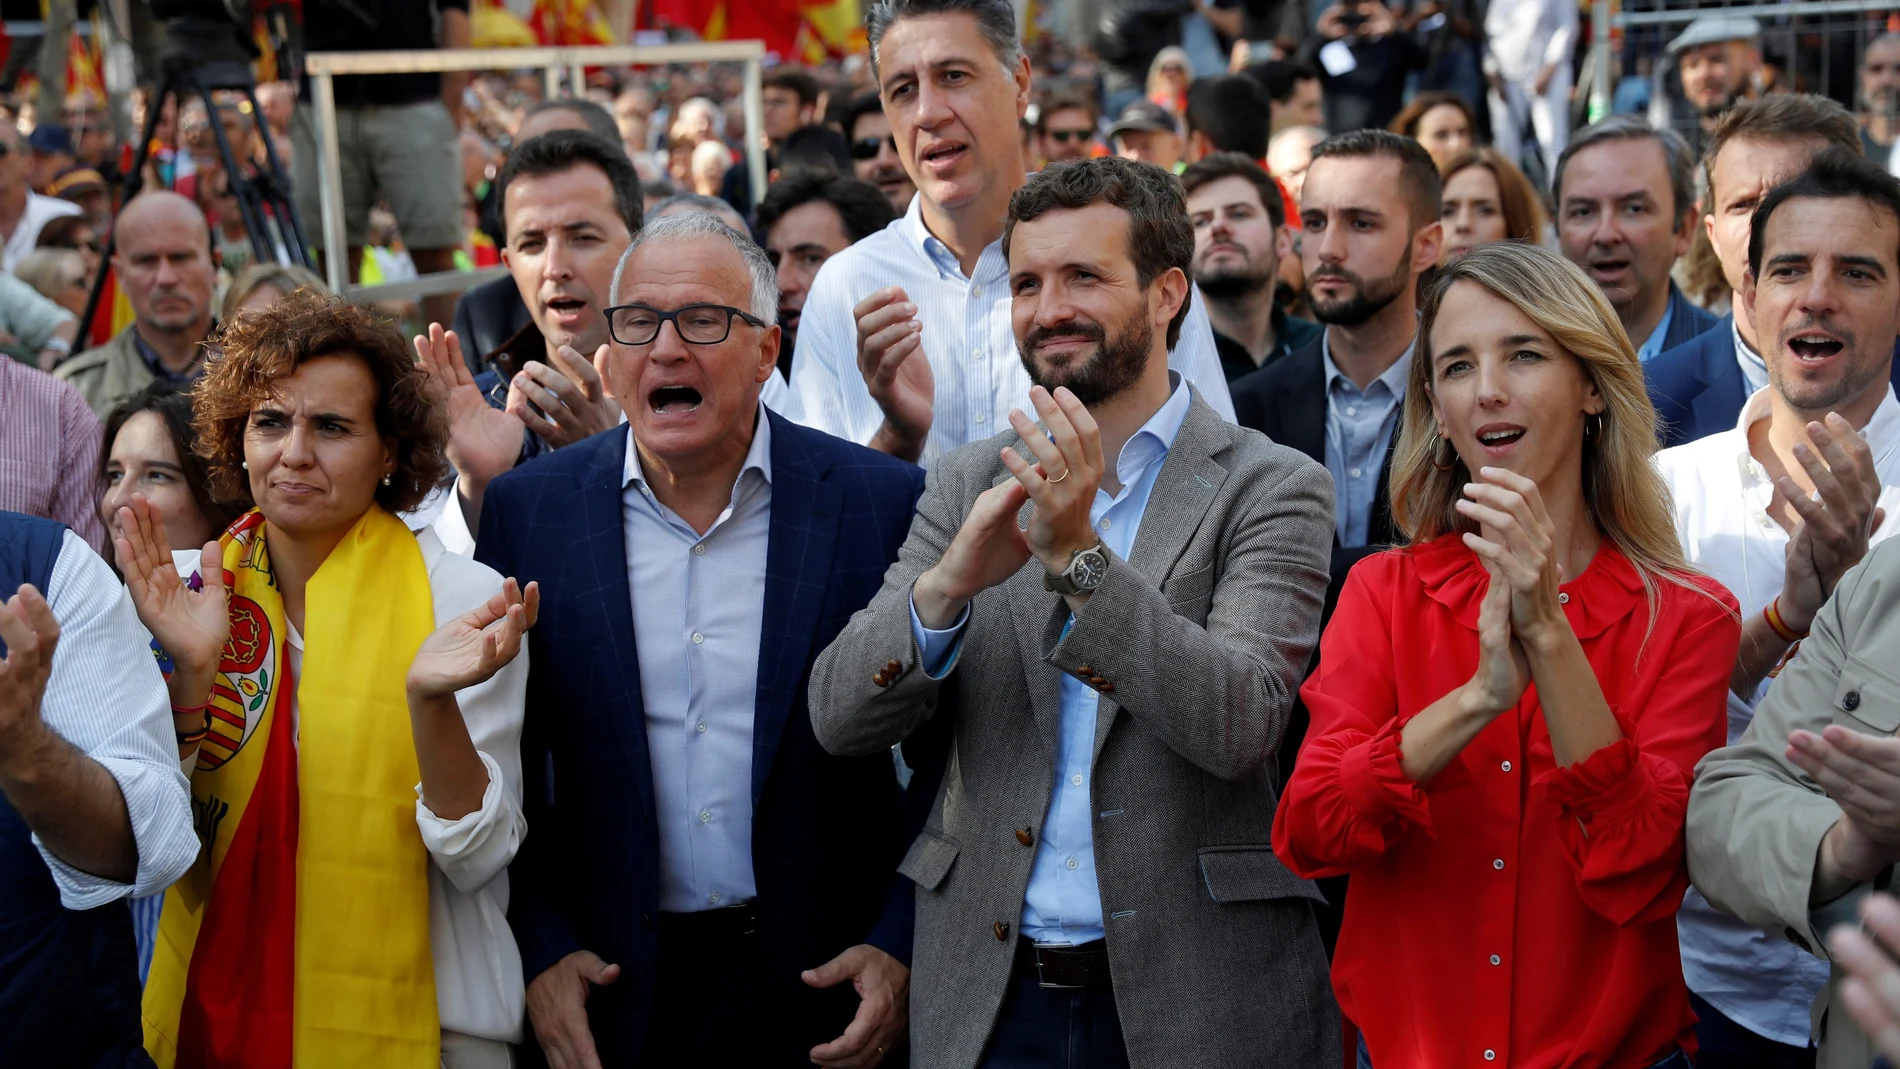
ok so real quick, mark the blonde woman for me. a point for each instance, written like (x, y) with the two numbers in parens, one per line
(1509, 708)
(1168, 79)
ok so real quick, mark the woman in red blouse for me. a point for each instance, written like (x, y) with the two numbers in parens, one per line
(1508, 711)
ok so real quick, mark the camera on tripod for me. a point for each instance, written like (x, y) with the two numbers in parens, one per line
(209, 50)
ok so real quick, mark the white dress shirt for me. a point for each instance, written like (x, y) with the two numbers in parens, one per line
(106, 697)
(1754, 368)
(479, 990)
(1758, 979)
(698, 614)
(967, 338)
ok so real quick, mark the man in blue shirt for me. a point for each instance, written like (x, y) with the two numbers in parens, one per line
(1107, 613)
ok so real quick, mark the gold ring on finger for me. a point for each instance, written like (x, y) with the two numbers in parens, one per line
(1059, 478)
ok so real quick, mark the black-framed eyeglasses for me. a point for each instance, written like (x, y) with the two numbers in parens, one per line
(699, 324)
(1066, 136)
(866, 148)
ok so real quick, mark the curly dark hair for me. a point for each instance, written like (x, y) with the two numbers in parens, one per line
(257, 349)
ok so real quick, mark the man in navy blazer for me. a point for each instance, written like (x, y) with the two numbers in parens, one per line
(702, 884)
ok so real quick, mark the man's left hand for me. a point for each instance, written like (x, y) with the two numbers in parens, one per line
(1063, 481)
(883, 983)
(572, 403)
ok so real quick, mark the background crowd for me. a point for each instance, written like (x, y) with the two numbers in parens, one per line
(983, 769)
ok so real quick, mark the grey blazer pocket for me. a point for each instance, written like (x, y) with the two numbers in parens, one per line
(1867, 694)
(1251, 874)
(1184, 591)
(929, 860)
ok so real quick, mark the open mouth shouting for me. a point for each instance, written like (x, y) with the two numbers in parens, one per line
(943, 157)
(1498, 439)
(566, 311)
(1812, 347)
(674, 400)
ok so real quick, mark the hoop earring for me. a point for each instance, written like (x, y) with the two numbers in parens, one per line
(1593, 431)
(1444, 446)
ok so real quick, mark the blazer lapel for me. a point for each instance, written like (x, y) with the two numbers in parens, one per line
(600, 542)
(1189, 481)
(1303, 406)
(1030, 610)
(805, 511)
(1725, 391)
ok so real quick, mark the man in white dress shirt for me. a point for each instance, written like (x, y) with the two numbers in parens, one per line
(905, 342)
(1777, 509)
(93, 806)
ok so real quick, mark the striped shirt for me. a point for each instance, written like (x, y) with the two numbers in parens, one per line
(967, 337)
(106, 697)
(49, 451)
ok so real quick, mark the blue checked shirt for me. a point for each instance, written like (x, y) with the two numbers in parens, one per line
(967, 337)
(1359, 427)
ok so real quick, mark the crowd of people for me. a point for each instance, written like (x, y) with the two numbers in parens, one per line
(1279, 555)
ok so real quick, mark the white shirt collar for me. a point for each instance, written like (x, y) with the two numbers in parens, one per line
(1754, 368)
(1882, 432)
(757, 458)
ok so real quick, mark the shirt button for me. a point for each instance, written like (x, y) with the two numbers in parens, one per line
(699, 549)
(1506, 766)
(1495, 960)
(1105, 523)
(705, 816)
(1562, 598)
(981, 418)
(1077, 780)
(698, 638)
(1352, 410)
(713, 898)
(700, 727)
(1490, 1056)
(976, 291)
(1071, 863)
(1498, 863)
(1354, 472)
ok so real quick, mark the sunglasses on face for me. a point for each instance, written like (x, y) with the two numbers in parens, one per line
(1066, 136)
(866, 148)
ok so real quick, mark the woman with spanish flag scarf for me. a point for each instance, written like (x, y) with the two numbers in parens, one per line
(348, 701)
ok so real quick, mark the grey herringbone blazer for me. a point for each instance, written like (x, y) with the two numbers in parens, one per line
(1200, 640)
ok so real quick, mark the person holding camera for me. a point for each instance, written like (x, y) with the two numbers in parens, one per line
(1364, 57)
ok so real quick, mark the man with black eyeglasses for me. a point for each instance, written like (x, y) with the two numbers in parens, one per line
(1066, 126)
(705, 885)
(874, 152)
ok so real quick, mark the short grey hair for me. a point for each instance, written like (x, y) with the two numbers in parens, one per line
(996, 19)
(696, 202)
(683, 225)
(1676, 154)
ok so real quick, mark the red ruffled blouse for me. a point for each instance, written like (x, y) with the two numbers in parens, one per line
(1508, 912)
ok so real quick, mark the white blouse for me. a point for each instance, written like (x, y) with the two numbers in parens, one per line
(478, 983)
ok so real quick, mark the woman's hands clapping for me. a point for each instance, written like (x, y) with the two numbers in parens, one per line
(1516, 541)
(190, 625)
(471, 648)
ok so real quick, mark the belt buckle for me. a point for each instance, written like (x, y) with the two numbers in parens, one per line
(1041, 980)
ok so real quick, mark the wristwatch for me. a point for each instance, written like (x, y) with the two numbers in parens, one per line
(1087, 568)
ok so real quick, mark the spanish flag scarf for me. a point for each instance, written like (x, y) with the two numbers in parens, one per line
(300, 938)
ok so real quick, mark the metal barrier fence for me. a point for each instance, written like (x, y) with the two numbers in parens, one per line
(323, 67)
(1813, 45)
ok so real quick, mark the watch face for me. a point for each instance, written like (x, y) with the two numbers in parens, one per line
(1088, 569)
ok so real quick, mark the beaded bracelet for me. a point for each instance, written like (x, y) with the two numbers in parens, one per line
(1780, 627)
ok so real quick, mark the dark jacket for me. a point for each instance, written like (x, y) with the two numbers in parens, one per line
(1290, 334)
(1698, 389)
(827, 832)
(487, 316)
(1686, 321)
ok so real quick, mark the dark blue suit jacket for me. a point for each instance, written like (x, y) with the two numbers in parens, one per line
(1698, 389)
(827, 832)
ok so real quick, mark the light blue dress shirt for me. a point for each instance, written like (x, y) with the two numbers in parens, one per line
(1754, 368)
(1064, 902)
(1653, 345)
(968, 340)
(698, 610)
(1359, 428)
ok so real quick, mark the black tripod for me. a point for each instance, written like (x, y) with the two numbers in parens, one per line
(202, 58)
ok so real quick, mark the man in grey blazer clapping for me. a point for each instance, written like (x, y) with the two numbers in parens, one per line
(1111, 652)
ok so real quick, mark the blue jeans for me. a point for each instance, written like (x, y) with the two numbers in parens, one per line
(1047, 1028)
(1677, 1060)
(1727, 1045)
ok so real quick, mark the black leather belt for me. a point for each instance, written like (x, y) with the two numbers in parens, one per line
(1080, 968)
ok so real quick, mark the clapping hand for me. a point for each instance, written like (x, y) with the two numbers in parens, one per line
(572, 404)
(1063, 481)
(484, 441)
(471, 648)
(1515, 540)
(896, 372)
(1834, 530)
(30, 632)
(1503, 671)
(191, 625)
(1871, 992)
